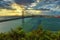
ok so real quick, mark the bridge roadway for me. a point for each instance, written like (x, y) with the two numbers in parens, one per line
(9, 18)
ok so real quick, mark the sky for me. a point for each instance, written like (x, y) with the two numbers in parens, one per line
(52, 5)
(7, 3)
(32, 3)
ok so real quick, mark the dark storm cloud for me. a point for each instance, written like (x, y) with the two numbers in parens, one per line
(24, 2)
(5, 4)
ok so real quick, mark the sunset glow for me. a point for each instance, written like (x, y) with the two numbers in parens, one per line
(17, 11)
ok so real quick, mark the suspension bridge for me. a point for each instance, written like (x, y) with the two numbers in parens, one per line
(10, 18)
(30, 15)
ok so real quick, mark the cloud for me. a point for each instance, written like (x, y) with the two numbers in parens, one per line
(5, 4)
(24, 2)
(47, 4)
(52, 5)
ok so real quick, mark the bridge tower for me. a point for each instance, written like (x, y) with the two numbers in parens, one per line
(23, 11)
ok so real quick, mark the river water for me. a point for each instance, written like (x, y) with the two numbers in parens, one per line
(31, 24)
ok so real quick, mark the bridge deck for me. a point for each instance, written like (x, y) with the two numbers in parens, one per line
(9, 18)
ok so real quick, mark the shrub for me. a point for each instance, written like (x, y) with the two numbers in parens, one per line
(39, 34)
